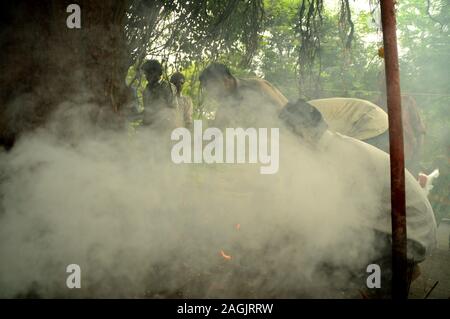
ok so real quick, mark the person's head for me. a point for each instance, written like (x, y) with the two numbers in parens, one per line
(217, 80)
(178, 80)
(153, 71)
(304, 120)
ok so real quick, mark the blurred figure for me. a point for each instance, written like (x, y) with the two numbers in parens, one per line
(184, 102)
(161, 109)
(413, 128)
(371, 169)
(242, 102)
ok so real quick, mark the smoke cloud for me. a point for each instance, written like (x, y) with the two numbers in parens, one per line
(139, 225)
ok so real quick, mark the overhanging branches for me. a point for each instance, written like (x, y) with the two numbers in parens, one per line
(193, 29)
(309, 31)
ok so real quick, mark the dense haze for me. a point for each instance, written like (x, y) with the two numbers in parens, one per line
(110, 199)
(139, 225)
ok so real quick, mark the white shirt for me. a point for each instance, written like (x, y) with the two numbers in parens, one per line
(375, 165)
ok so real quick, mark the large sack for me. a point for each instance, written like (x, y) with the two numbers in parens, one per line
(356, 118)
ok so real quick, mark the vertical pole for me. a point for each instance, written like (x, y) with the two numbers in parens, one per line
(399, 261)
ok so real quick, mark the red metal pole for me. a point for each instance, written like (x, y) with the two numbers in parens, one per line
(399, 262)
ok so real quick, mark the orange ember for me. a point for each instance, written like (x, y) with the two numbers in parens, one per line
(227, 257)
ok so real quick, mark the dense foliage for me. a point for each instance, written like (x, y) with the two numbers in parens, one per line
(307, 48)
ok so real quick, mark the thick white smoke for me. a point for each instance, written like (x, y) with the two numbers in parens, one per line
(140, 226)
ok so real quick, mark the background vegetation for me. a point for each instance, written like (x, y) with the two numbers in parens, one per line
(309, 48)
(344, 60)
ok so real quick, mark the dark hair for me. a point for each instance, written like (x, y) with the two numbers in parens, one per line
(151, 66)
(304, 112)
(306, 115)
(214, 71)
(177, 77)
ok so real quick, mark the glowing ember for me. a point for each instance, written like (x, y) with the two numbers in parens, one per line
(227, 257)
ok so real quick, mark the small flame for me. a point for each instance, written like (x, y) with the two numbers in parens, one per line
(227, 257)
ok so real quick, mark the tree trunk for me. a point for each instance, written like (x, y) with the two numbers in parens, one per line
(43, 63)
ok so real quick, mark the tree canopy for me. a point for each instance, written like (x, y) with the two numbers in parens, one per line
(309, 48)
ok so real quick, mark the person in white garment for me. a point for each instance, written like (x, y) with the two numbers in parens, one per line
(356, 118)
(309, 125)
(368, 122)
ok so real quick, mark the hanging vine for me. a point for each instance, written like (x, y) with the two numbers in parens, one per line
(346, 33)
(346, 26)
(308, 30)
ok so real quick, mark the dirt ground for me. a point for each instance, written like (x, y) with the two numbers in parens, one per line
(435, 268)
